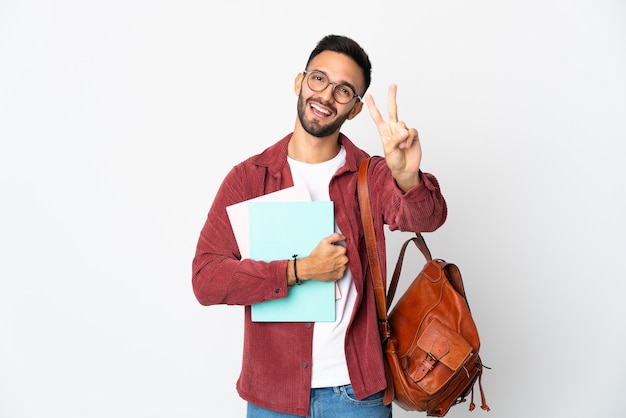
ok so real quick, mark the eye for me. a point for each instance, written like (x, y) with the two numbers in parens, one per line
(345, 91)
(318, 77)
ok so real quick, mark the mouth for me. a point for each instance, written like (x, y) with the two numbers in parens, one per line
(319, 110)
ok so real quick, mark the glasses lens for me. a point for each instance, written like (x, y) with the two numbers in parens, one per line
(343, 93)
(317, 81)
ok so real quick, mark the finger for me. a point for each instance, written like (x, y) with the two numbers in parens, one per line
(334, 238)
(374, 112)
(392, 106)
(406, 139)
(413, 136)
(338, 238)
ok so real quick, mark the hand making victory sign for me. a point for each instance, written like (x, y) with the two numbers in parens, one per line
(401, 145)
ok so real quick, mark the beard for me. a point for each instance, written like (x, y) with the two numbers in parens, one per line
(314, 127)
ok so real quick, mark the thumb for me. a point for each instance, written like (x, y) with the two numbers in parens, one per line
(336, 237)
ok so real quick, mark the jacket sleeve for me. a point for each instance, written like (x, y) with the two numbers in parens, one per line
(219, 275)
(421, 209)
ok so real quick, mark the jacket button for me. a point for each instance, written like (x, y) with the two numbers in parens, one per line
(308, 325)
(277, 290)
(305, 365)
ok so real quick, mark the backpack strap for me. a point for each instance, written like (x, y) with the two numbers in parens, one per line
(382, 302)
(372, 249)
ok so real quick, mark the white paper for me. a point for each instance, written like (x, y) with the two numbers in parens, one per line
(238, 213)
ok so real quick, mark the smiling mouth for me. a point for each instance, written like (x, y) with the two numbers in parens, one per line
(319, 111)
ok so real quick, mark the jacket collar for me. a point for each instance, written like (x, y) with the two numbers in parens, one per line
(274, 158)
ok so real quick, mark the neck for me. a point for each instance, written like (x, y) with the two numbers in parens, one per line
(310, 149)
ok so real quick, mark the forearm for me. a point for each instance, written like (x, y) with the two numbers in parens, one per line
(421, 208)
(220, 279)
(407, 181)
(315, 268)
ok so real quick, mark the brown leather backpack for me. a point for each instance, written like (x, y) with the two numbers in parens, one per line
(430, 341)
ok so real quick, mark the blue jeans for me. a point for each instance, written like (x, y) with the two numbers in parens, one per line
(334, 402)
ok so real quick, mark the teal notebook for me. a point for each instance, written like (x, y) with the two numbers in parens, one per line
(277, 231)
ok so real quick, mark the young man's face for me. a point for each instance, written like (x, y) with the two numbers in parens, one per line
(318, 111)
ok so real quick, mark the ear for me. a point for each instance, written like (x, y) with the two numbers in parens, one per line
(355, 110)
(297, 84)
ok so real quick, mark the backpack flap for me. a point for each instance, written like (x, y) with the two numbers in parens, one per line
(440, 345)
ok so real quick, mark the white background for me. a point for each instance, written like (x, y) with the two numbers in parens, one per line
(119, 119)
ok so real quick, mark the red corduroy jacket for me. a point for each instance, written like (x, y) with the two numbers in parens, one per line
(276, 367)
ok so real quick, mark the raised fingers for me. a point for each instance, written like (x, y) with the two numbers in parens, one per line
(392, 106)
(374, 112)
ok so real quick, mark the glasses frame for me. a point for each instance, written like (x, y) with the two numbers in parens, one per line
(308, 73)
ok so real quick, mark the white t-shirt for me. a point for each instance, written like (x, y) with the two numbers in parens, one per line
(329, 359)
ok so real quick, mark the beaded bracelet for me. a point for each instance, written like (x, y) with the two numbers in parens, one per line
(295, 270)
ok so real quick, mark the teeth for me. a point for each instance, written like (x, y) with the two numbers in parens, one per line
(319, 109)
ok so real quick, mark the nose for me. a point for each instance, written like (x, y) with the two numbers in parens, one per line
(329, 93)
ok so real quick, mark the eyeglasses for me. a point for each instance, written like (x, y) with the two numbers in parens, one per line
(318, 81)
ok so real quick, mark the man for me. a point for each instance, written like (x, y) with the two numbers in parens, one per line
(319, 369)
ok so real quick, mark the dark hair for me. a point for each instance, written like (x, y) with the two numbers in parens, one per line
(346, 46)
